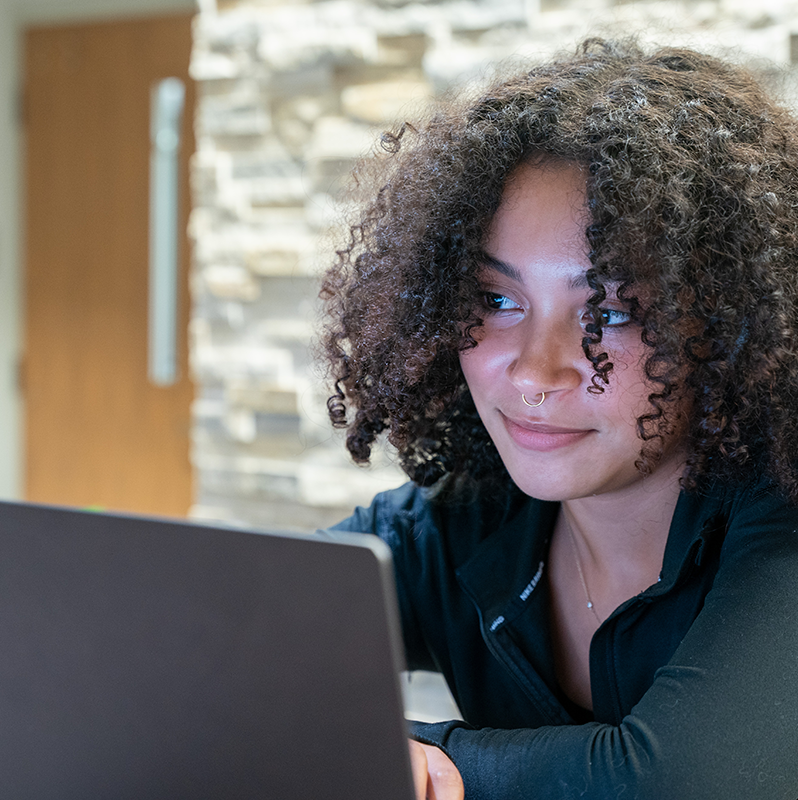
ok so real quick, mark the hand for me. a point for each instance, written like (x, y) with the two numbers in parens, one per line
(435, 777)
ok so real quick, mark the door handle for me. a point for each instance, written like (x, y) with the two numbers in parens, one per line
(166, 116)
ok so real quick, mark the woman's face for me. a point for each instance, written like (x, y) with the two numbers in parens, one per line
(575, 443)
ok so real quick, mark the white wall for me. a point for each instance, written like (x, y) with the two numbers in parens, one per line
(15, 16)
(10, 298)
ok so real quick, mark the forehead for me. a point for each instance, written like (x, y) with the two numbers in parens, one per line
(542, 219)
(547, 179)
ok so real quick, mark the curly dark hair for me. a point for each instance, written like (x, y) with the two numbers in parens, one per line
(692, 189)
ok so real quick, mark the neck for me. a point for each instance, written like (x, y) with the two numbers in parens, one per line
(628, 529)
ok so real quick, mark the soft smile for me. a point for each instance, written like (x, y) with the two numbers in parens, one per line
(533, 435)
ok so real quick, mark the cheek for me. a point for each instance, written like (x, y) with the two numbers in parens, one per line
(469, 365)
(483, 363)
(629, 390)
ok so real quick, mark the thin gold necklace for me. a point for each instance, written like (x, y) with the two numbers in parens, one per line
(579, 569)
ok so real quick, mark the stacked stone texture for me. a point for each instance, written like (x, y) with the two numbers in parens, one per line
(291, 94)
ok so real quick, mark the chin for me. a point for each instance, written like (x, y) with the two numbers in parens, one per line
(548, 490)
(551, 487)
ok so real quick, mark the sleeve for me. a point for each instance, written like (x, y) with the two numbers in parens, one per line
(720, 720)
(394, 516)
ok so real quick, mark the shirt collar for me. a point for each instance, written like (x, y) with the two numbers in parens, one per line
(505, 564)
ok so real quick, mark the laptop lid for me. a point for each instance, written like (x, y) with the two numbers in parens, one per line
(154, 659)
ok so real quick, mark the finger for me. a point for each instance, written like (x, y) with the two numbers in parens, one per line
(445, 782)
(435, 777)
(418, 763)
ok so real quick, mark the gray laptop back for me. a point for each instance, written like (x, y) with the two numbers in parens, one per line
(150, 659)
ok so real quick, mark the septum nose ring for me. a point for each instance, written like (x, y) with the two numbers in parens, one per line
(534, 405)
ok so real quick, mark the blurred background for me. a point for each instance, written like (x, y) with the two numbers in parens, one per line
(225, 190)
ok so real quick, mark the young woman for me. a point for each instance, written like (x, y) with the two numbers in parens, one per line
(573, 306)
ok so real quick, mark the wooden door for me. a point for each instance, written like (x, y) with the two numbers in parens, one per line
(98, 433)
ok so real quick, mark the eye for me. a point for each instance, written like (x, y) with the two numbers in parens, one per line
(610, 317)
(614, 318)
(498, 302)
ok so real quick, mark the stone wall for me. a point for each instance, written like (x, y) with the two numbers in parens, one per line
(291, 93)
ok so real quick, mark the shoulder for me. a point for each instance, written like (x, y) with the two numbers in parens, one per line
(416, 517)
(744, 505)
(759, 522)
(760, 504)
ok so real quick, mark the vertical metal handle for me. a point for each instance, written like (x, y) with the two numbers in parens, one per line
(166, 114)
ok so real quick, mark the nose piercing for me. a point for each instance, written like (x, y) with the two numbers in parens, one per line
(535, 405)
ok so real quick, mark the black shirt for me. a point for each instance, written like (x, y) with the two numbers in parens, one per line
(694, 681)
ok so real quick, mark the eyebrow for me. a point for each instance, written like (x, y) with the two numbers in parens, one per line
(575, 282)
(500, 266)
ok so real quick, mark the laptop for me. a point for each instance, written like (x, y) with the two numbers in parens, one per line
(152, 659)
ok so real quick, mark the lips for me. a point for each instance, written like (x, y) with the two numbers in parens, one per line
(542, 437)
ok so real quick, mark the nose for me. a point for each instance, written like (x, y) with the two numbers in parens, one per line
(548, 358)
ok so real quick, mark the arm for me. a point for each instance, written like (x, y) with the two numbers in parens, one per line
(434, 775)
(393, 516)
